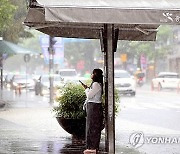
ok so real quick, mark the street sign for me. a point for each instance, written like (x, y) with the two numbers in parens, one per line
(123, 57)
(143, 61)
(26, 58)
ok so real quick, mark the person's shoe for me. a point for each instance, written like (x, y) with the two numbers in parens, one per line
(89, 151)
(93, 151)
(86, 151)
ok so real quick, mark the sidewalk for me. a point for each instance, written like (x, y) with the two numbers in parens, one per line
(32, 130)
(27, 125)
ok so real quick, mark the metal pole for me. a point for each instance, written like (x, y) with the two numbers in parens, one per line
(103, 41)
(51, 70)
(110, 113)
(1, 67)
(26, 78)
(1, 78)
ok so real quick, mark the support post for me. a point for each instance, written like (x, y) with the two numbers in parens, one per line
(1, 68)
(51, 69)
(1, 78)
(108, 40)
(108, 44)
(110, 92)
(103, 43)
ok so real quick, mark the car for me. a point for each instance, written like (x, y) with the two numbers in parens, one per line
(68, 75)
(124, 82)
(42, 85)
(165, 80)
(22, 81)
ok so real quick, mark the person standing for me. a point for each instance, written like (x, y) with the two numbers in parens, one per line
(94, 110)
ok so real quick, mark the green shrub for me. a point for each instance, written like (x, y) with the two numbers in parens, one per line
(71, 99)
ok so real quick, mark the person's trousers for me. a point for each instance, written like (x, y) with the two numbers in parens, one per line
(94, 123)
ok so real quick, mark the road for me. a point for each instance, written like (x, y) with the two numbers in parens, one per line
(155, 114)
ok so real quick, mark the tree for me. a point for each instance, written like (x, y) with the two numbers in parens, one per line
(6, 14)
(76, 51)
(164, 41)
(159, 49)
(13, 13)
(35, 40)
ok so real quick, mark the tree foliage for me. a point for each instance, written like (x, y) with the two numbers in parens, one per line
(159, 48)
(7, 10)
(12, 15)
(85, 50)
(163, 45)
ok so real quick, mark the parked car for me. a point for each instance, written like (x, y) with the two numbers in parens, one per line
(22, 81)
(124, 82)
(68, 75)
(42, 85)
(166, 80)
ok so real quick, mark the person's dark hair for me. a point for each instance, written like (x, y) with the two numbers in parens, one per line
(98, 76)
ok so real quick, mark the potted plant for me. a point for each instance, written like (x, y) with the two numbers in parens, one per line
(69, 109)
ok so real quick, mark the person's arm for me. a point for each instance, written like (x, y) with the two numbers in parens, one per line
(91, 92)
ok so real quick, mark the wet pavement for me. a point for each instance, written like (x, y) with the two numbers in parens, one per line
(31, 130)
(28, 125)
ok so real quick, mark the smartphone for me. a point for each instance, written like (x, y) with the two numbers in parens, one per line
(81, 82)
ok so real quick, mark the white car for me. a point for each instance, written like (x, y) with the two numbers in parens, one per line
(165, 80)
(124, 82)
(22, 81)
(68, 75)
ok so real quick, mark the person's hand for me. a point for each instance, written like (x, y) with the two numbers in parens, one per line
(85, 86)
